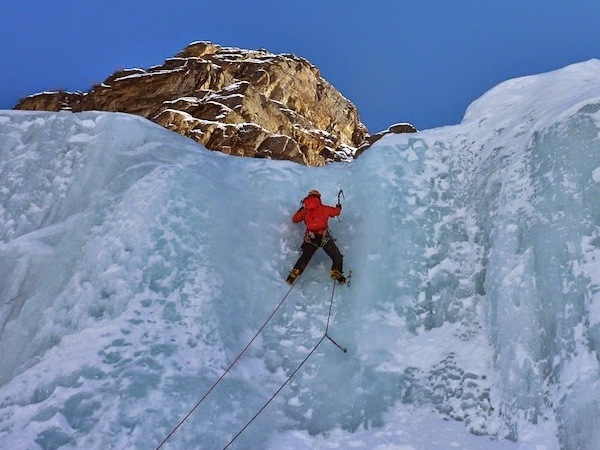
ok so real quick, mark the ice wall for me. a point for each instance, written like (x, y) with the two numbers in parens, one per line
(539, 224)
(135, 265)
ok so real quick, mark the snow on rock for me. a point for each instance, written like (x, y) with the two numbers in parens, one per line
(284, 94)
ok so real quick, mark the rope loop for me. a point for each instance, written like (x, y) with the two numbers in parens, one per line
(314, 349)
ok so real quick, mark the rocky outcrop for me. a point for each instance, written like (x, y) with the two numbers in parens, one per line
(398, 128)
(240, 102)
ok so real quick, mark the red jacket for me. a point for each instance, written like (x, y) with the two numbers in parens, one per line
(315, 214)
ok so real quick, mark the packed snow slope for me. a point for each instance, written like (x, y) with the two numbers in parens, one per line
(135, 266)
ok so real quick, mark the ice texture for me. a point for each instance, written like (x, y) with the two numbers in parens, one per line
(135, 265)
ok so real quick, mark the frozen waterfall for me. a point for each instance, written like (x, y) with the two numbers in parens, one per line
(135, 265)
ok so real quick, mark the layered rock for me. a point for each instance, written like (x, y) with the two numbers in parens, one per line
(397, 128)
(240, 102)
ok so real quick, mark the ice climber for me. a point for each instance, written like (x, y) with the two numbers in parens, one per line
(315, 216)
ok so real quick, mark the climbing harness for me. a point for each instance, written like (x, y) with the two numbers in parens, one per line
(318, 239)
(226, 371)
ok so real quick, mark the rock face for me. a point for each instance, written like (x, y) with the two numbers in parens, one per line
(240, 102)
(398, 128)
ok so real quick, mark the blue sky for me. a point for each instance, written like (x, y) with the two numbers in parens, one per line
(421, 62)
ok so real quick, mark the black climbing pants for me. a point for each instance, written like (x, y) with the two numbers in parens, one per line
(311, 244)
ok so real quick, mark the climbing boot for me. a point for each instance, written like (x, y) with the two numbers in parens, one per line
(293, 275)
(338, 276)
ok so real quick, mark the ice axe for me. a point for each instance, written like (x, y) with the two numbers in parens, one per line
(339, 203)
(340, 196)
